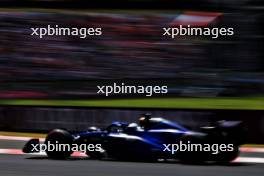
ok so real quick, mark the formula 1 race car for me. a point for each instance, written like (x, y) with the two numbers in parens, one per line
(152, 139)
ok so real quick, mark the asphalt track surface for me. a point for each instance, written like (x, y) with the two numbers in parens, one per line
(31, 165)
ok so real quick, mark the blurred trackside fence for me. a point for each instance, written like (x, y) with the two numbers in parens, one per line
(43, 119)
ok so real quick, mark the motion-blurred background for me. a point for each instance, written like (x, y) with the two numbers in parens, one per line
(131, 47)
(131, 50)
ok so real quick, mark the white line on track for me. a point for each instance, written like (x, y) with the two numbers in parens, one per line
(18, 138)
(20, 152)
(249, 160)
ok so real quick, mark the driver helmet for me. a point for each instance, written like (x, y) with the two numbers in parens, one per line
(92, 128)
(144, 120)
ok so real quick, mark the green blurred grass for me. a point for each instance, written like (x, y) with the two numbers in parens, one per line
(181, 103)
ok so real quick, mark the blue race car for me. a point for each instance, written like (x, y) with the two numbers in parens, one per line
(152, 139)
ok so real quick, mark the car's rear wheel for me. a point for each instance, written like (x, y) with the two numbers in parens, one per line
(228, 156)
(189, 156)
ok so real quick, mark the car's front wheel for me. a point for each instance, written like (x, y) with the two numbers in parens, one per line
(58, 144)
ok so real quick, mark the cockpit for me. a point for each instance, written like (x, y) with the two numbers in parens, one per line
(153, 123)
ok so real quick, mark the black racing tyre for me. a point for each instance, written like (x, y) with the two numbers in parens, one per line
(228, 156)
(97, 155)
(57, 137)
(192, 157)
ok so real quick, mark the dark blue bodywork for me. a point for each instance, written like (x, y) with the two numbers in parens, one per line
(123, 140)
(148, 140)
